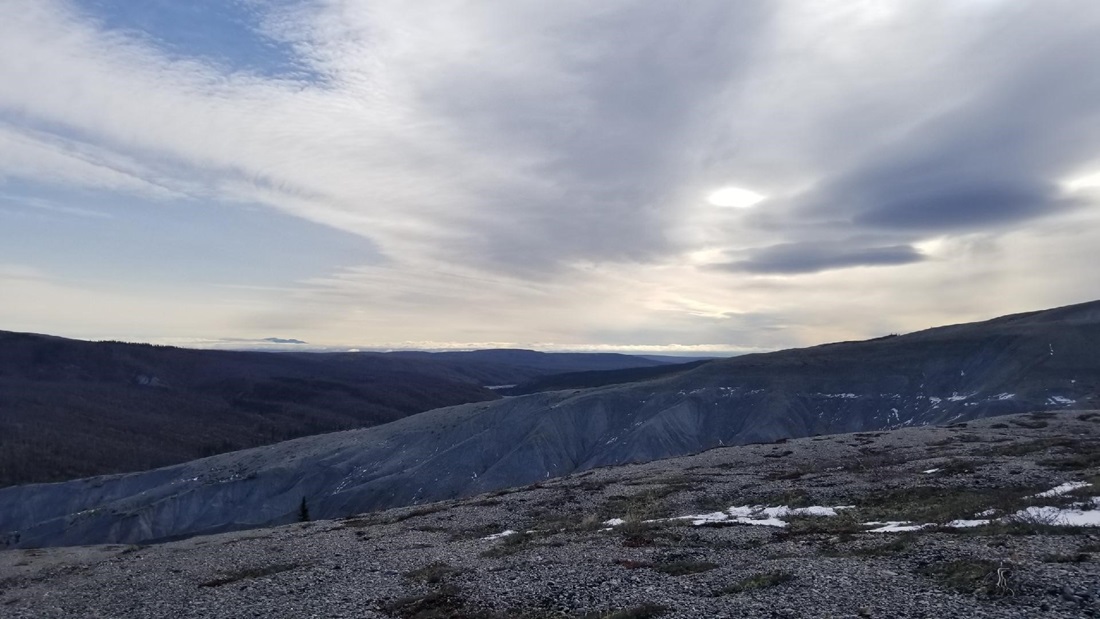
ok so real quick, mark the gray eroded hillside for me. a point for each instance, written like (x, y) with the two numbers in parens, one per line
(1043, 360)
(983, 520)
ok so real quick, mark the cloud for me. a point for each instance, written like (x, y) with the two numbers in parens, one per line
(281, 340)
(986, 154)
(977, 206)
(20, 272)
(792, 258)
(533, 172)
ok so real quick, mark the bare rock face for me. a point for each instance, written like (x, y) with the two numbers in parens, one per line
(1038, 361)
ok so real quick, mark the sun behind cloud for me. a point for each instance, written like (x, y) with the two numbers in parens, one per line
(735, 197)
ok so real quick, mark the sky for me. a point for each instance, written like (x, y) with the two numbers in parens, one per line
(683, 177)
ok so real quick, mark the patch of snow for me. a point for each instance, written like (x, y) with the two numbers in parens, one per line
(782, 511)
(1066, 517)
(761, 522)
(930, 471)
(966, 524)
(756, 515)
(500, 535)
(895, 527)
(701, 519)
(955, 397)
(1003, 396)
(772, 516)
(817, 510)
(1085, 514)
(933, 399)
(1057, 399)
(1065, 488)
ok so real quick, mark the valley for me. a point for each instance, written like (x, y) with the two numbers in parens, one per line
(1028, 362)
(71, 408)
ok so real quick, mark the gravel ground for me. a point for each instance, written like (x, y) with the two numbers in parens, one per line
(433, 561)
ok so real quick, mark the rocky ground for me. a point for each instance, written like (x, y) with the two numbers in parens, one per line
(563, 560)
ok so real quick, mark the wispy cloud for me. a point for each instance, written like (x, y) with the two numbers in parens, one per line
(533, 172)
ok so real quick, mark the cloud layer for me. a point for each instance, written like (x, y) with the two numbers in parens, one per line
(537, 173)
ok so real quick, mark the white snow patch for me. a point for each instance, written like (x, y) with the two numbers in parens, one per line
(966, 524)
(701, 519)
(760, 522)
(1086, 514)
(1057, 399)
(783, 511)
(955, 397)
(500, 535)
(1003, 396)
(930, 471)
(1065, 488)
(760, 515)
(756, 515)
(895, 527)
(1066, 517)
(817, 510)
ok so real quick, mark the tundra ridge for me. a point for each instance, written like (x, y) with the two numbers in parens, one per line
(990, 519)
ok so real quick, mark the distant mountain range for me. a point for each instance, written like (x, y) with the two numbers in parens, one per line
(1045, 360)
(72, 408)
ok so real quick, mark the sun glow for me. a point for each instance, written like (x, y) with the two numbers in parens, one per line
(735, 197)
(1086, 182)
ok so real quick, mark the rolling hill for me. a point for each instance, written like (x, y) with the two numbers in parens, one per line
(1027, 362)
(71, 408)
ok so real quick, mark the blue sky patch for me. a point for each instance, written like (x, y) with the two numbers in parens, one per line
(103, 235)
(223, 32)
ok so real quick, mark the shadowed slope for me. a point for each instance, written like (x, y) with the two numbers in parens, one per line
(1044, 360)
(71, 408)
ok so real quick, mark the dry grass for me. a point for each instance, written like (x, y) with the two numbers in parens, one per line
(251, 572)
